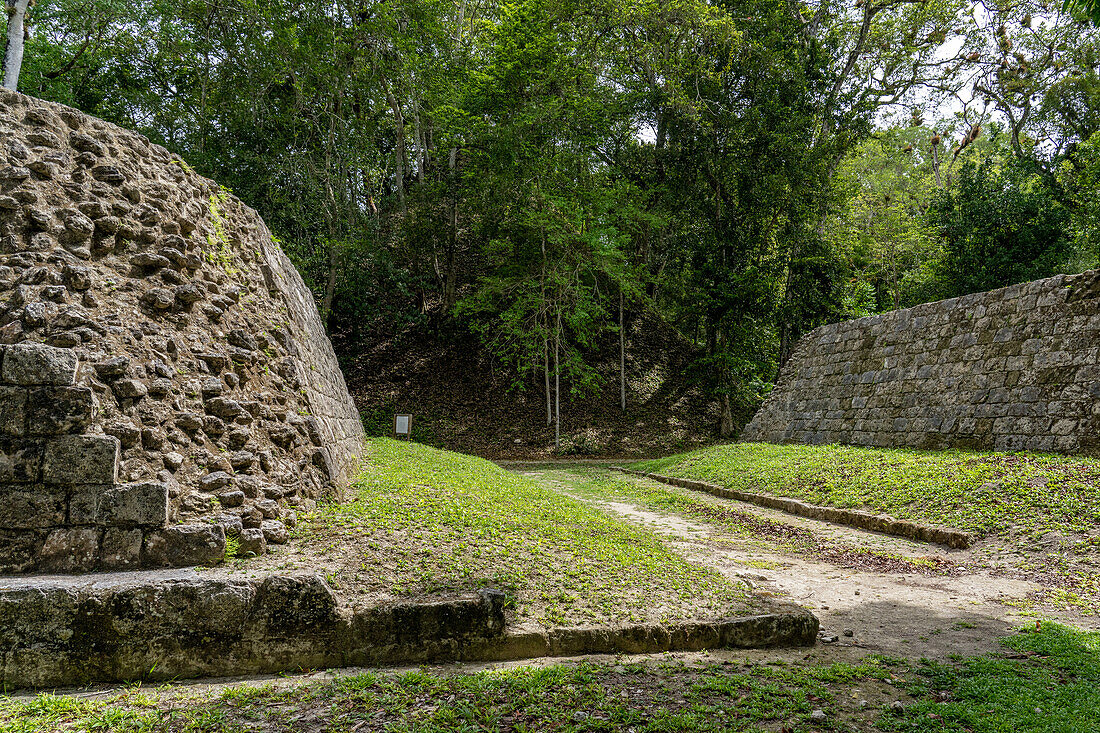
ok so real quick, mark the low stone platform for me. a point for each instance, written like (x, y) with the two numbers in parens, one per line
(58, 631)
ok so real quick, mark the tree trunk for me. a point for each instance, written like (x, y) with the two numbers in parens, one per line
(13, 49)
(450, 281)
(622, 354)
(421, 144)
(557, 383)
(546, 374)
(332, 212)
(545, 333)
(726, 427)
(399, 132)
(330, 285)
(784, 347)
(936, 164)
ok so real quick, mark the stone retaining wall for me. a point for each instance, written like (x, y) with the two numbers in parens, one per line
(331, 406)
(61, 505)
(148, 626)
(1011, 369)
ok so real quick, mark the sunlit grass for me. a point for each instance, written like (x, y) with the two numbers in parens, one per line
(430, 521)
(978, 492)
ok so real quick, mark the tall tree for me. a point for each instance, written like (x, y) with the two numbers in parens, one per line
(18, 33)
(1001, 223)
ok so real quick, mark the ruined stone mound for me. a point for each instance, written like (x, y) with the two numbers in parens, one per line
(165, 379)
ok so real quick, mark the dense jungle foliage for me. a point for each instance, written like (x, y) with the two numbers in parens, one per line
(539, 172)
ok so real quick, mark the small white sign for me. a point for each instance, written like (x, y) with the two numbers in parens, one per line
(401, 424)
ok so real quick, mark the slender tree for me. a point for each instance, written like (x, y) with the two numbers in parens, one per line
(18, 33)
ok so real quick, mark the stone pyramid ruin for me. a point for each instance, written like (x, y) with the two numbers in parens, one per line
(165, 378)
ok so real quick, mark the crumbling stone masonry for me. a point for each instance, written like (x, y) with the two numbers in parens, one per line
(1012, 369)
(165, 378)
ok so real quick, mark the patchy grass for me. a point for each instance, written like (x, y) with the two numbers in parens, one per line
(426, 521)
(584, 697)
(1048, 680)
(985, 493)
(599, 484)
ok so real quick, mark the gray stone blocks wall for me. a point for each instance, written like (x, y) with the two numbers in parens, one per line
(334, 425)
(1012, 369)
(61, 506)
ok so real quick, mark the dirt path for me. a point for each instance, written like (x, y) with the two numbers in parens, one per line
(907, 614)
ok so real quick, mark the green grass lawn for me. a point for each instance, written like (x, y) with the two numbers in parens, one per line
(427, 521)
(985, 493)
(1047, 680)
(1050, 683)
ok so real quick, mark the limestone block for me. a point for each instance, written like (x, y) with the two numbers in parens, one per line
(136, 504)
(232, 498)
(225, 408)
(274, 531)
(231, 522)
(215, 481)
(109, 174)
(19, 550)
(184, 545)
(130, 389)
(31, 506)
(13, 406)
(84, 504)
(128, 434)
(37, 364)
(120, 548)
(20, 460)
(252, 542)
(112, 369)
(81, 459)
(86, 144)
(57, 410)
(69, 549)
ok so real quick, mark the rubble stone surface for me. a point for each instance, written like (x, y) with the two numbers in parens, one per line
(162, 363)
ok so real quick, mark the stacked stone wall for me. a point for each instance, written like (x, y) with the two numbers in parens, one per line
(196, 366)
(1011, 369)
(335, 417)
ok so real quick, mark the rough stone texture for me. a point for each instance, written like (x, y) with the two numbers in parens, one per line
(81, 459)
(31, 363)
(142, 504)
(185, 544)
(150, 329)
(146, 626)
(1010, 369)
